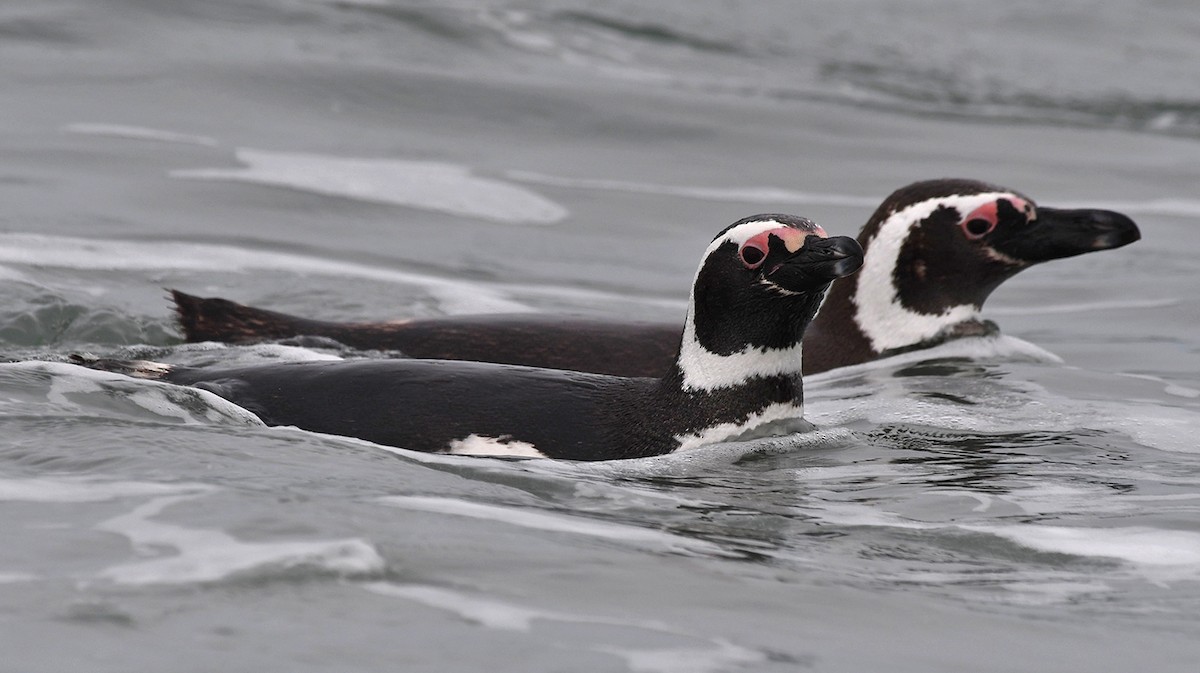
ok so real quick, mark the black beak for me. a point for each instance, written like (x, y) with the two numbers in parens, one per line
(1060, 233)
(820, 261)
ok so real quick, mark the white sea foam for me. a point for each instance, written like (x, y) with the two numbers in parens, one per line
(479, 445)
(688, 660)
(764, 195)
(485, 612)
(204, 353)
(1133, 544)
(1169, 387)
(1049, 498)
(428, 185)
(78, 489)
(575, 525)
(176, 554)
(1181, 391)
(1155, 553)
(715, 654)
(495, 614)
(1147, 423)
(138, 133)
(206, 555)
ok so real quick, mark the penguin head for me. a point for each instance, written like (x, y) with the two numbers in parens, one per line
(759, 284)
(936, 250)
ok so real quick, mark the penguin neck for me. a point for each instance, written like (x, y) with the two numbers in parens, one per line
(710, 360)
(851, 329)
(744, 395)
(898, 300)
(883, 314)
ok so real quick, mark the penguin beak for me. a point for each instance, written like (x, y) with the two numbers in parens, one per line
(820, 261)
(1058, 233)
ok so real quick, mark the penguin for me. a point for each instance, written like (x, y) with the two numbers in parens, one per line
(934, 249)
(604, 346)
(736, 371)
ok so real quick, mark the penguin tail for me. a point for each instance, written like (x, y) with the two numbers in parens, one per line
(215, 319)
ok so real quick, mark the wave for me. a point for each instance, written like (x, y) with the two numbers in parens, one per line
(571, 523)
(921, 390)
(139, 133)
(1178, 207)
(66, 390)
(657, 33)
(210, 555)
(428, 185)
(851, 56)
(1001, 347)
(80, 490)
(713, 656)
(454, 189)
(693, 461)
(766, 195)
(171, 554)
(1158, 554)
(94, 254)
(34, 316)
(453, 296)
(957, 92)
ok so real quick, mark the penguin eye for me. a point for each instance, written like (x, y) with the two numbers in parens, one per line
(981, 221)
(752, 255)
(978, 227)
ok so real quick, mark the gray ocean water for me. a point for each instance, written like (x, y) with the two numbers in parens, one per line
(1028, 503)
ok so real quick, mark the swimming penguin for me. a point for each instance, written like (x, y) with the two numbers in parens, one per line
(736, 371)
(935, 250)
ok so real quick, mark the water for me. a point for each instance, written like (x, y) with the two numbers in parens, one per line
(1026, 503)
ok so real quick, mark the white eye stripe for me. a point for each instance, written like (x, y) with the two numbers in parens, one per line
(742, 233)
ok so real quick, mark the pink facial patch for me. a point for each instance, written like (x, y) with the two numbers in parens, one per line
(755, 249)
(985, 212)
(981, 221)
